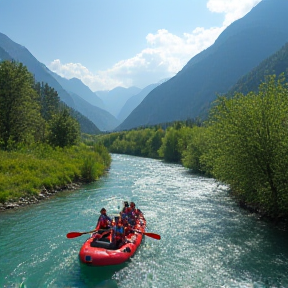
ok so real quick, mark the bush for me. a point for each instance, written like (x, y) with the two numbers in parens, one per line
(27, 171)
(91, 169)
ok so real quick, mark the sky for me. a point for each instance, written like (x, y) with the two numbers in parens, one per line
(110, 43)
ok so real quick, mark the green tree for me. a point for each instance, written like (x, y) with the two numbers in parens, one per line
(20, 119)
(48, 100)
(195, 148)
(64, 130)
(249, 145)
(169, 149)
(154, 143)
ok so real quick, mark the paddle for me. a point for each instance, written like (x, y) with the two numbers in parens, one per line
(152, 235)
(77, 234)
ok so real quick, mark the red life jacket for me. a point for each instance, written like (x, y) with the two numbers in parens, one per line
(103, 222)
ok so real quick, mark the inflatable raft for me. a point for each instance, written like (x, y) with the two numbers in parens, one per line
(101, 252)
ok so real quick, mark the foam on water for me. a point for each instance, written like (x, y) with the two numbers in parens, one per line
(207, 241)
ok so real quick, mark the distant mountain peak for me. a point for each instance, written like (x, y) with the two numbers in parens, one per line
(116, 98)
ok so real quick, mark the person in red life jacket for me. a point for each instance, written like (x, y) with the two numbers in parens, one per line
(118, 232)
(104, 221)
(136, 213)
(128, 229)
(124, 220)
(125, 211)
(125, 208)
(131, 216)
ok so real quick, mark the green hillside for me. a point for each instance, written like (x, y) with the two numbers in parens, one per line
(275, 64)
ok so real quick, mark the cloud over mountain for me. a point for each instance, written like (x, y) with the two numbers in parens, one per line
(233, 9)
(164, 55)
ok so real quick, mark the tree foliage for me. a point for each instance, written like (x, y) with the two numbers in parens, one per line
(32, 112)
(243, 144)
(64, 130)
(48, 100)
(20, 119)
(143, 142)
(249, 145)
(169, 149)
(194, 149)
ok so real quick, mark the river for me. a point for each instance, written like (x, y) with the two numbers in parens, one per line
(207, 240)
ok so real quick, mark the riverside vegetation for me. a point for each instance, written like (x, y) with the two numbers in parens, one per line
(40, 142)
(244, 144)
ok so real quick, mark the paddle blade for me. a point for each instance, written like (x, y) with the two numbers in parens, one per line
(153, 235)
(74, 234)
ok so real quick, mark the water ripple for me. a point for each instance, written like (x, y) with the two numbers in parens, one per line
(207, 241)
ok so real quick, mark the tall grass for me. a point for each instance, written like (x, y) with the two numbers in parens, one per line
(27, 171)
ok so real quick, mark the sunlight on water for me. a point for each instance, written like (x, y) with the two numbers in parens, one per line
(207, 241)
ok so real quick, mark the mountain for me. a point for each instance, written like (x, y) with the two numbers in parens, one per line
(101, 118)
(134, 101)
(239, 48)
(39, 70)
(275, 64)
(105, 121)
(4, 55)
(115, 99)
(86, 125)
(76, 86)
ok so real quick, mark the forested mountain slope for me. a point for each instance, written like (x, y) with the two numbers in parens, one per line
(275, 64)
(43, 74)
(241, 47)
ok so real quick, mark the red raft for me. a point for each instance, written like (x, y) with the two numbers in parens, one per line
(101, 253)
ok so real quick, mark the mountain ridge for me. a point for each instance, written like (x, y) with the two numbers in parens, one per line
(116, 98)
(275, 64)
(238, 49)
(41, 73)
(134, 101)
(76, 86)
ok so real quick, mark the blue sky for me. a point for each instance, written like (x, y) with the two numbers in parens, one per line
(109, 43)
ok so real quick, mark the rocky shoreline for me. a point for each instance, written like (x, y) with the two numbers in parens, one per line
(43, 195)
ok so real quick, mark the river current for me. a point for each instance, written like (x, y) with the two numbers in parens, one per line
(207, 240)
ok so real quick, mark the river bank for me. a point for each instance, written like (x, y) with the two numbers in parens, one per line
(35, 173)
(209, 242)
(34, 199)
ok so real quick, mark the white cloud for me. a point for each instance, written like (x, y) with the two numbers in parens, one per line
(233, 9)
(164, 55)
(100, 81)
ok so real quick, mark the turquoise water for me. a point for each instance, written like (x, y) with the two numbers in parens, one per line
(207, 241)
